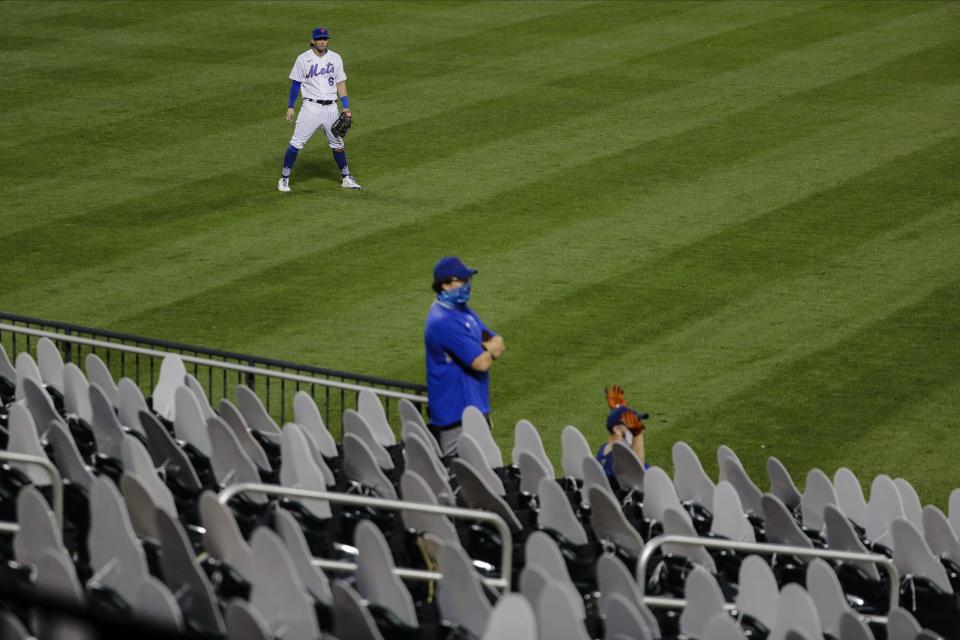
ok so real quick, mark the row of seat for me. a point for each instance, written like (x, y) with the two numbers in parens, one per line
(577, 536)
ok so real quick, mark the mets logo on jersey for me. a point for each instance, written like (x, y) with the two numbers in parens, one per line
(317, 70)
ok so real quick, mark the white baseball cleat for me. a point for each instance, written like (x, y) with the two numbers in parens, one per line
(350, 183)
(284, 185)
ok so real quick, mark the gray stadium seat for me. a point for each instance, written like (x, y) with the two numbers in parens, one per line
(24, 438)
(116, 556)
(277, 592)
(729, 520)
(26, 368)
(167, 455)
(153, 601)
(68, 460)
(658, 494)
(182, 574)
(850, 496)
(299, 469)
(555, 618)
(884, 507)
(222, 538)
(575, 449)
(238, 424)
(841, 536)
(781, 483)
(375, 578)
(797, 614)
(689, 478)
(704, 601)
(912, 509)
(818, 494)
(527, 439)
(627, 467)
(478, 495)
(314, 579)
(614, 578)
(940, 534)
(370, 407)
(129, 403)
(171, 377)
(722, 627)
(50, 363)
(471, 452)
(781, 527)
(356, 425)
(189, 424)
(475, 424)
(912, 555)
(256, 415)
(107, 430)
(557, 514)
(827, 594)
(513, 617)
(202, 401)
(307, 415)
(460, 595)
(750, 496)
(7, 371)
(422, 461)
(40, 406)
(677, 522)
(609, 523)
(953, 509)
(413, 428)
(38, 532)
(99, 373)
(852, 627)
(593, 476)
(759, 595)
(76, 398)
(244, 623)
(901, 625)
(415, 489)
(351, 619)
(409, 413)
(532, 470)
(360, 466)
(228, 459)
(621, 617)
(11, 628)
(141, 507)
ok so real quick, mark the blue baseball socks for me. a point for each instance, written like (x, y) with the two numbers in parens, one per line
(288, 159)
(341, 158)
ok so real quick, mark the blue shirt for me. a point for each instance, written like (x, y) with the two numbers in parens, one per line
(453, 339)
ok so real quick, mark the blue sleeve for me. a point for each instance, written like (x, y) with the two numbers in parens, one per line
(457, 340)
(294, 92)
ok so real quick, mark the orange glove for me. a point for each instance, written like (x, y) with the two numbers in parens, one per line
(615, 396)
(633, 422)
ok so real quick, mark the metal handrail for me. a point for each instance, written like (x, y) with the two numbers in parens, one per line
(760, 547)
(218, 364)
(506, 558)
(55, 482)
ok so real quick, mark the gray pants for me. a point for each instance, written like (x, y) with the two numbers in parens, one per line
(447, 438)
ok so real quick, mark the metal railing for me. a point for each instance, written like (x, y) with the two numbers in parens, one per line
(506, 538)
(56, 485)
(758, 547)
(219, 372)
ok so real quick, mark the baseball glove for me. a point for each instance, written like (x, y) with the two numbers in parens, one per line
(342, 125)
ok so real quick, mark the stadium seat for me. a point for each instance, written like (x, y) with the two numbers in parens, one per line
(26, 369)
(817, 495)
(24, 438)
(460, 595)
(68, 460)
(781, 528)
(116, 555)
(722, 627)
(355, 424)
(478, 495)
(704, 601)
(575, 449)
(526, 439)
(244, 623)
(352, 618)
(758, 596)
(627, 468)
(532, 470)
(901, 625)
(8, 373)
(412, 428)
(50, 363)
(376, 580)
(222, 538)
(99, 373)
(614, 578)
(797, 613)
(154, 602)
(129, 403)
(850, 498)
(912, 509)
(556, 513)
(172, 373)
(76, 398)
(690, 480)
(781, 483)
(258, 418)
(167, 455)
(189, 424)
(12, 629)
(108, 433)
(884, 507)
(852, 627)
(299, 469)
(39, 530)
(409, 413)
(277, 593)
(360, 466)
(677, 522)
(184, 577)
(475, 425)
(307, 415)
(733, 472)
(729, 520)
(593, 476)
(41, 407)
(555, 618)
(513, 617)
(414, 488)
(940, 534)
(423, 461)
(841, 536)
(622, 618)
(658, 494)
(229, 413)
(371, 409)
(201, 396)
(609, 523)
(471, 452)
(827, 594)
(228, 459)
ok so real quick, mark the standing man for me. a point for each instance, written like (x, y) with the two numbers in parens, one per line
(319, 74)
(460, 351)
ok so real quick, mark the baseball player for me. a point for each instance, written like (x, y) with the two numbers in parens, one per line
(318, 74)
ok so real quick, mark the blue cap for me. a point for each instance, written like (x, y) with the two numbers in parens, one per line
(320, 33)
(615, 416)
(451, 267)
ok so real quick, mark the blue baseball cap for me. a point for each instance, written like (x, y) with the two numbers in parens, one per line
(320, 33)
(615, 416)
(451, 267)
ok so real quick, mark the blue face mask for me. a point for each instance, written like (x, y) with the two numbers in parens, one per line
(457, 297)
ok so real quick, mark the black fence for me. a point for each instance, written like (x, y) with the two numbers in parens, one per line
(218, 382)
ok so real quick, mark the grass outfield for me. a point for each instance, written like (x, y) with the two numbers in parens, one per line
(746, 213)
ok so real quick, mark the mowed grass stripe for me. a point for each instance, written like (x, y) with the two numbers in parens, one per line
(354, 314)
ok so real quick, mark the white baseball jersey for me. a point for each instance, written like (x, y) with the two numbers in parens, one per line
(318, 76)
